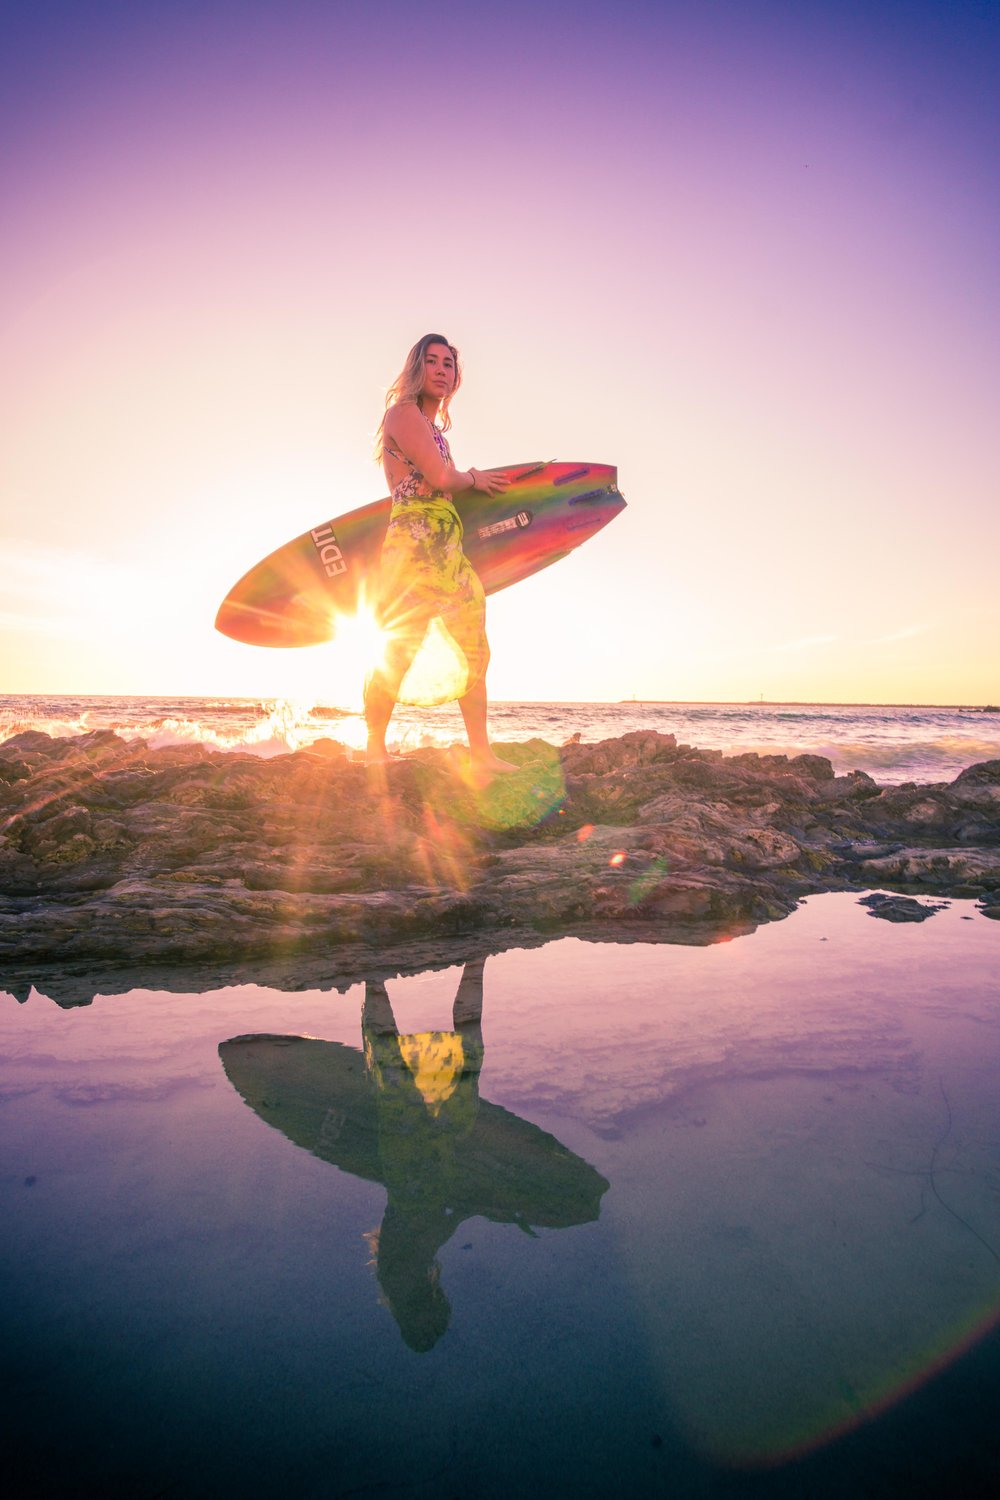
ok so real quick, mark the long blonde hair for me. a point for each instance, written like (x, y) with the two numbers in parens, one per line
(410, 382)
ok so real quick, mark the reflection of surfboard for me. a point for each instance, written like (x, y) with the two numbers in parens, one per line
(475, 1160)
(292, 598)
(319, 1095)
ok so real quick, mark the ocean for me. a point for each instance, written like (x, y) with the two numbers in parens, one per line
(893, 743)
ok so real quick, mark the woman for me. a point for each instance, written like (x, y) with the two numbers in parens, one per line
(429, 594)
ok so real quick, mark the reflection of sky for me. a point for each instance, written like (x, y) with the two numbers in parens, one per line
(747, 253)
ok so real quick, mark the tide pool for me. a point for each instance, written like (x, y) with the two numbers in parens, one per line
(585, 1218)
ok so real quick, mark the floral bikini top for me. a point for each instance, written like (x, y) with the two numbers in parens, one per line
(415, 486)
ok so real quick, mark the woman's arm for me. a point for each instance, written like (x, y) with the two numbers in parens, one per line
(407, 430)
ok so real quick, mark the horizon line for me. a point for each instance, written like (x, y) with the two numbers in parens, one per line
(543, 702)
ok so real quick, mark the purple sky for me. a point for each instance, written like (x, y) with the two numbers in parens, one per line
(745, 251)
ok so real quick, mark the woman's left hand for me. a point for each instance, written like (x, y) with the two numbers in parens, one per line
(489, 481)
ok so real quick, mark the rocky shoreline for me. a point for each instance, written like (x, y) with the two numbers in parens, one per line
(116, 855)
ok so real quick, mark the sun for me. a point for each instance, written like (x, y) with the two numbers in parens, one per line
(361, 638)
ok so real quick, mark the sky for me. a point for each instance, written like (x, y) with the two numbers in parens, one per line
(746, 250)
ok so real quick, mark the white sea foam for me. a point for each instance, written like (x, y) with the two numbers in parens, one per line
(254, 727)
(58, 726)
(282, 729)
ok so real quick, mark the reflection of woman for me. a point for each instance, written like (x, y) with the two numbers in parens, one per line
(432, 605)
(409, 1116)
(427, 1102)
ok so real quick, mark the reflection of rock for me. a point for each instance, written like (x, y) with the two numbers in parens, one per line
(471, 1158)
(112, 851)
(79, 984)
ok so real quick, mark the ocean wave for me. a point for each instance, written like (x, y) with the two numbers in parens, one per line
(270, 729)
(240, 707)
(908, 745)
(59, 728)
(945, 756)
(225, 707)
(282, 729)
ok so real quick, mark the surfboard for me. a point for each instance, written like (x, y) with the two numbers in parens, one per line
(295, 595)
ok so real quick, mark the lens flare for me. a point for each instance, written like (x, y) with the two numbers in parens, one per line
(531, 796)
(362, 637)
(646, 883)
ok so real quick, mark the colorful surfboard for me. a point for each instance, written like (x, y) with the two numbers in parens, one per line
(293, 597)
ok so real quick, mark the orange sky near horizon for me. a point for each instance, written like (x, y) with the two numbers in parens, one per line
(747, 256)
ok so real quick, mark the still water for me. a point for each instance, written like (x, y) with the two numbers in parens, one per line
(584, 1219)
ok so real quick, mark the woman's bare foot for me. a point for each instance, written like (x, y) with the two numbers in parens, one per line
(488, 765)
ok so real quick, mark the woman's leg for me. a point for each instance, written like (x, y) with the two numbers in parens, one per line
(467, 1012)
(379, 704)
(473, 707)
(376, 1011)
(383, 685)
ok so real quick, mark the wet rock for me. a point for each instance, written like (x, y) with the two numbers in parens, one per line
(111, 849)
(978, 788)
(856, 786)
(900, 908)
(641, 747)
(764, 849)
(976, 868)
